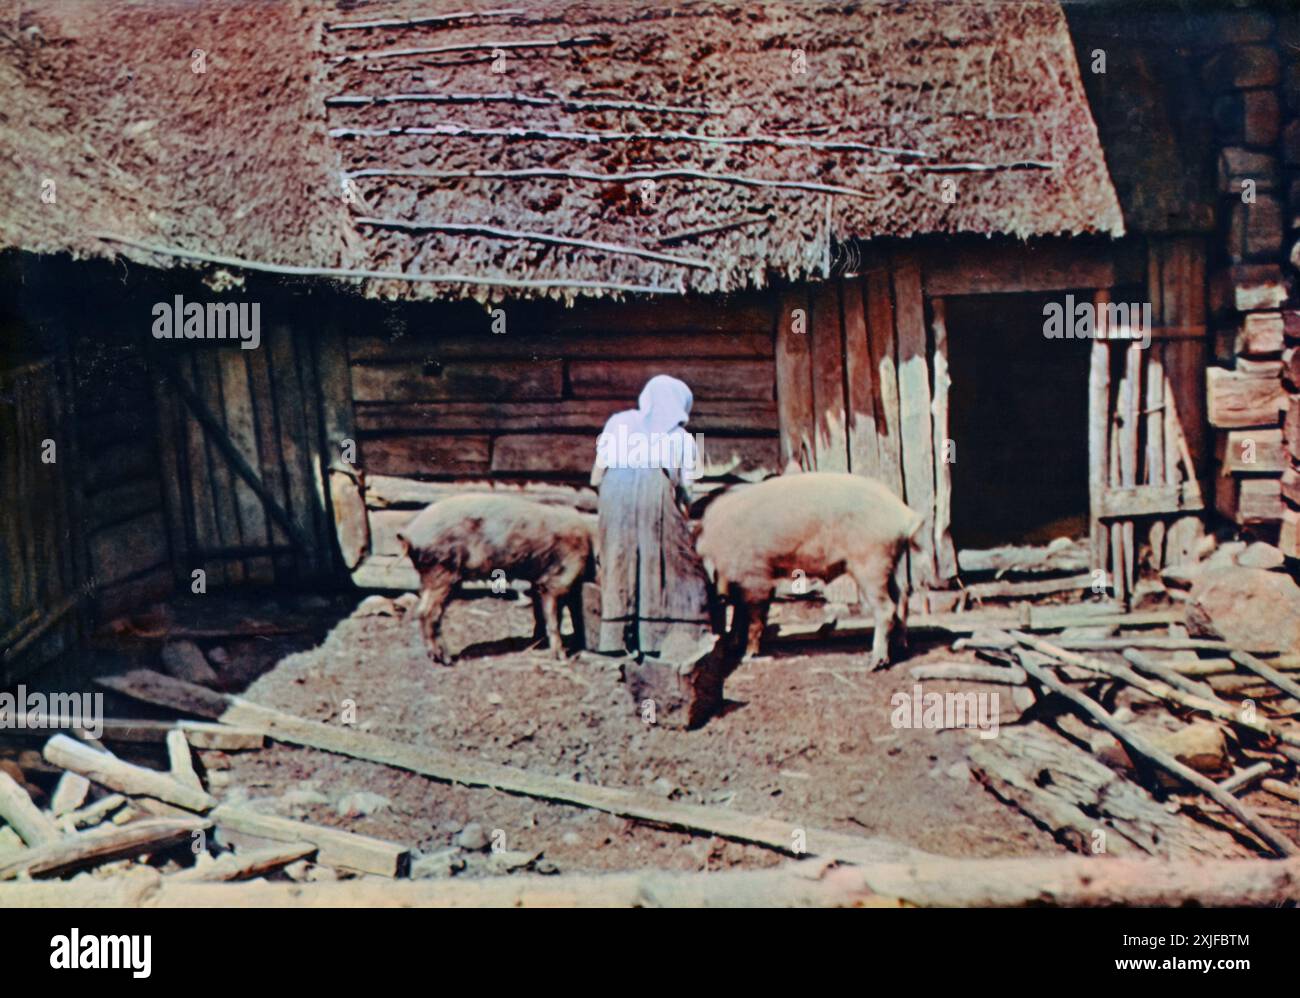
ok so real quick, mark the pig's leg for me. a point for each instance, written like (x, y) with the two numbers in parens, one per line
(573, 600)
(753, 618)
(873, 581)
(539, 615)
(435, 587)
(550, 603)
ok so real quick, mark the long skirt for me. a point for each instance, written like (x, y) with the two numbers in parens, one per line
(652, 583)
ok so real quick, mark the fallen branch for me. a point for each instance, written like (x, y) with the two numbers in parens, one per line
(1278, 842)
(1280, 789)
(1009, 675)
(536, 237)
(101, 845)
(1239, 781)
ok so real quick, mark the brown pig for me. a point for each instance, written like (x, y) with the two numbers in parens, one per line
(823, 523)
(474, 536)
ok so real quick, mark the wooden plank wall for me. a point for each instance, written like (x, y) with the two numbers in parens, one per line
(270, 404)
(444, 404)
(856, 392)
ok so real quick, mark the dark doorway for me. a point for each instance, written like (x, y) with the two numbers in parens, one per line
(1019, 419)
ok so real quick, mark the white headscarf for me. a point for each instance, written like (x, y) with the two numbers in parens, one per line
(662, 412)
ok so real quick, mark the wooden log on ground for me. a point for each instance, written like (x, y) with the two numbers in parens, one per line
(1242, 779)
(1275, 840)
(1280, 789)
(1067, 882)
(92, 814)
(335, 847)
(1002, 674)
(1055, 557)
(244, 866)
(32, 824)
(1001, 589)
(124, 777)
(100, 845)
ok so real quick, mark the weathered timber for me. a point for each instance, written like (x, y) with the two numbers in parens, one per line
(335, 847)
(112, 772)
(100, 845)
(32, 824)
(244, 866)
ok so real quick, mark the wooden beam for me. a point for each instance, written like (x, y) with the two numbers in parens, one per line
(860, 383)
(945, 551)
(914, 413)
(334, 846)
(33, 825)
(830, 437)
(794, 394)
(109, 771)
(997, 269)
(99, 845)
(1150, 500)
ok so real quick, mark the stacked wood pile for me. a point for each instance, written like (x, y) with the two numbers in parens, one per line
(1245, 396)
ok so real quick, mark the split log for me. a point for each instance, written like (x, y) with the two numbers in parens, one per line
(112, 772)
(243, 866)
(69, 794)
(1085, 804)
(32, 824)
(180, 762)
(1032, 587)
(88, 848)
(1170, 675)
(1275, 840)
(335, 847)
(1068, 882)
(1055, 557)
(471, 771)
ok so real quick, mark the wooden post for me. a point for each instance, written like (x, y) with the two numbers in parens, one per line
(1131, 396)
(1098, 434)
(794, 397)
(945, 552)
(914, 412)
(864, 450)
(827, 345)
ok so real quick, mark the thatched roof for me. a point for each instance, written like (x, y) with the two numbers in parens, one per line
(621, 145)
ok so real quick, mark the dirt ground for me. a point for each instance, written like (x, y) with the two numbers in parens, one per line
(804, 738)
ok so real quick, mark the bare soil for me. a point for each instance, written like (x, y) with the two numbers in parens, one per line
(804, 738)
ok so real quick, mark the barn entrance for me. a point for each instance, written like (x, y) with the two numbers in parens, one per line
(1018, 419)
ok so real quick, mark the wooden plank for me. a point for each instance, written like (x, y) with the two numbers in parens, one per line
(945, 552)
(711, 379)
(125, 502)
(427, 455)
(1098, 443)
(33, 825)
(1248, 500)
(336, 848)
(1257, 451)
(207, 394)
(1244, 398)
(794, 396)
(100, 845)
(1130, 406)
(295, 450)
(1153, 404)
(554, 341)
(237, 409)
(384, 491)
(1260, 334)
(270, 460)
(859, 379)
(914, 412)
(322, 525)
(707, 416)
(200, 734)
(826, 341)
(884, 354)
(1150, 500)
(457, 380)
(1002, 269)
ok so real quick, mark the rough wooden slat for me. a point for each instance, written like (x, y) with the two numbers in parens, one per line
(295, 449)
(914, 413)
(884, 354)
(100, 845)
(1013, 269)
(830, 438)
(385, 491)
(1098, 443)
(207, 398)
(245, 865)
(708, 379)
(459, 380)
(707, 416)
(1233, 447)
(16, 808)
(945, 551)
(429, 454)
(237, 406)
(1244, 398)
(860, 382)
(335, 847)
(794, 396)
(270, 460)
(1150, 500)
